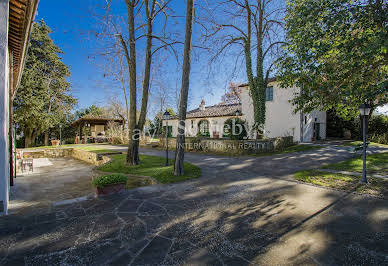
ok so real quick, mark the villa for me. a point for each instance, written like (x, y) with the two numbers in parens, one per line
(281, 120)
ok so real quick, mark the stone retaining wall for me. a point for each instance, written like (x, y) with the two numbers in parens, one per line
(90, 157)
(231, 146)
(47, 153)
(86, 156)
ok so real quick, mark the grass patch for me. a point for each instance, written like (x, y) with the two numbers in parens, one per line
(151, 166)
(291, 149)
(376, 186)
(375, 163)
(300, 148)
(54, 147)
(357, 143)
(95, 149)
(238, 153)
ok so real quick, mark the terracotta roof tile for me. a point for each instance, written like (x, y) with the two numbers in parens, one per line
(214, 111)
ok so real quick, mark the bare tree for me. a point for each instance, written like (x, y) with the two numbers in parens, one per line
(233, 94)
(138, 26)
(180, 150)
(116, 109)
(251, 28)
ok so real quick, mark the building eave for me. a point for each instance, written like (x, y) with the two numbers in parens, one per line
(21, 16)
(244, 85)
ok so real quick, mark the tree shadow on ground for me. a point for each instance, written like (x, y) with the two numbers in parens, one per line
(237, 217)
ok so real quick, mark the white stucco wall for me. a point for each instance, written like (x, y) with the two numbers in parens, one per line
(308, 125)
(280, 119)
(4, 111)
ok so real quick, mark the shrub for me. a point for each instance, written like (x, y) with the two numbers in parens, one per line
(379, 138)
(239, 127)
(117, 140)
(377, 127)
(106, 180)
(68, 141)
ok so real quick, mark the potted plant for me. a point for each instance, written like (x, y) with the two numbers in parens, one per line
(55, 142)
(110, 184)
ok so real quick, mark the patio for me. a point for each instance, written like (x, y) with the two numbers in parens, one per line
(53, 180)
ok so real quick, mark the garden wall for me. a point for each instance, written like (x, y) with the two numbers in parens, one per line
(86, 156)
(90, 157)
(231, 146)
(47, 153)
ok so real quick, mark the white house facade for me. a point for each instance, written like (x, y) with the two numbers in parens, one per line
(281, 120)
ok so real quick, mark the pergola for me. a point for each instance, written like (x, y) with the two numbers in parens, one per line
(90, 121)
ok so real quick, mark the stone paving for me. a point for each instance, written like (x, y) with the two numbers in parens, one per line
(53, 180)
(242, 211)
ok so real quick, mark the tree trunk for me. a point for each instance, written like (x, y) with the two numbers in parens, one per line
(132, 155)
(46, 138)
(180, 149)
(133, 152)
(33, 138)
(27, 138)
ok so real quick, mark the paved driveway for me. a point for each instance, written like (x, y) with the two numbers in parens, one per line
(241, 211)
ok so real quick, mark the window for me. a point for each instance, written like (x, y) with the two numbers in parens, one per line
(192, 123)
(203, 128)
(269, 94)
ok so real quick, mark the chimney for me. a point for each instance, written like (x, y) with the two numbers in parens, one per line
(202, 105)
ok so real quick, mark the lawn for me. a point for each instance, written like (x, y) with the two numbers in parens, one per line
(376, 164)
(151, 166)
(53, 147)
(95, 149)
(357, 143)
(291, 149)
(300, 148)
(376, 186)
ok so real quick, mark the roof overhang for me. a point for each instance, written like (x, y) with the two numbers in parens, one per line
(96, 120)
(21, 16)
(244, 85)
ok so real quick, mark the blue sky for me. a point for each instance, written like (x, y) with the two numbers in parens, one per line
(71, 22)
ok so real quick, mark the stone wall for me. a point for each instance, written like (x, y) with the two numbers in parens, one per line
(231, 146)
(86, 156)
(47, 153)
(90, 157)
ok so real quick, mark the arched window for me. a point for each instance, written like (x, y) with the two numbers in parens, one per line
(203, 127)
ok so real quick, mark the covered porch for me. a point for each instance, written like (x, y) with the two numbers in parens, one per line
(93, 129)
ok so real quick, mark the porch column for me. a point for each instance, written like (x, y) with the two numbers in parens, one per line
(4, 108)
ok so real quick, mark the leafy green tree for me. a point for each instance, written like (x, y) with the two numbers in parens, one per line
(92, 110)
(44, 98)
(156, 125)
(337, 53)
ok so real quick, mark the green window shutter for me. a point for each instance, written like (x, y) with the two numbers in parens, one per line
(269, 94)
